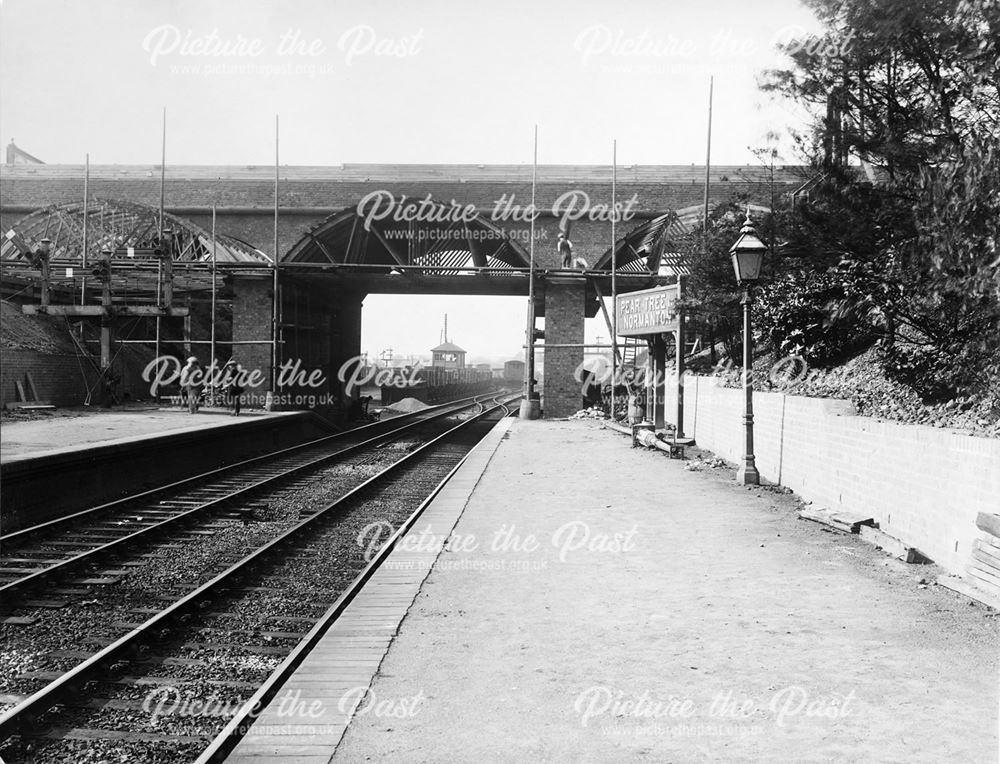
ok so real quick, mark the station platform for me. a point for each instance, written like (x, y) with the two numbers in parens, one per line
(600, 603)
(35, 438)
(61, 464)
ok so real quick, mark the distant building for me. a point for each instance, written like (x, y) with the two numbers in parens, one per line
(513, 372)
(448, 355)
(17, 155)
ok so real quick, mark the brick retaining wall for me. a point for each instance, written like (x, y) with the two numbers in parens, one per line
(58, 377)
(922, 484)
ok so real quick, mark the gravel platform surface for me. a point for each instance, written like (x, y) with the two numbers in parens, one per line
(788, 643)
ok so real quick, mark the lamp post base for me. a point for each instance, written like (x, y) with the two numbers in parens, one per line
(530, 409)
(747, 473)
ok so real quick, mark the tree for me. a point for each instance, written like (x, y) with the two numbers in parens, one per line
(902, 248)
(956, 258)
(711, 299)
(897, 83)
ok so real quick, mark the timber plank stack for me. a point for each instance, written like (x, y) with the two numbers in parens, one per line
(984, 567)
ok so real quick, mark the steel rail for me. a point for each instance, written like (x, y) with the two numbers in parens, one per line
(237, 727)
(20, 717)
(10, 591)
(17, 536)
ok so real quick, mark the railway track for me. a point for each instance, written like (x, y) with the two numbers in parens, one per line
(235, 637)
(39, 555)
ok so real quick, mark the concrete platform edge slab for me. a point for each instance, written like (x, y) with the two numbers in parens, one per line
(335, 709)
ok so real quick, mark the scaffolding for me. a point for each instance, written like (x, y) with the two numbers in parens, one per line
(112, 262)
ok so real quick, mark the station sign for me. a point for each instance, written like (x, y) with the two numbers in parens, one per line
(651, 311)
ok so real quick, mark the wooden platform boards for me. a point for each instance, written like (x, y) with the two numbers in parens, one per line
(308, 716)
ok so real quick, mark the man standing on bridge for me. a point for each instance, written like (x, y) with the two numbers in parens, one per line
(565, 248)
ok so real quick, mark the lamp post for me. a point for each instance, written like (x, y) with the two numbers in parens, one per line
(747, 255)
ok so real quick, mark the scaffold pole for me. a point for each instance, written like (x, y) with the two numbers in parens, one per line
(86, 207)
(159, 265)
(528, 410)
(614, 280)
(275, 298)
(211, 363)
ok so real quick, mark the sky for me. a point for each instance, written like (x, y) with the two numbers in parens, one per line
(388, 82)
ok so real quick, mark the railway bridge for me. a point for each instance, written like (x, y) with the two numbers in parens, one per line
(291, 581)
(323, 238)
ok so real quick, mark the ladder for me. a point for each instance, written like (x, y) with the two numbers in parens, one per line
(625, 354)
(630, 351)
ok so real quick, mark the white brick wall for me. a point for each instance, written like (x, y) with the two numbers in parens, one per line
(922, 484)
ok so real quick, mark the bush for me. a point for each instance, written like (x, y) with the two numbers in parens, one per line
(795, 316)
(934, 375)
